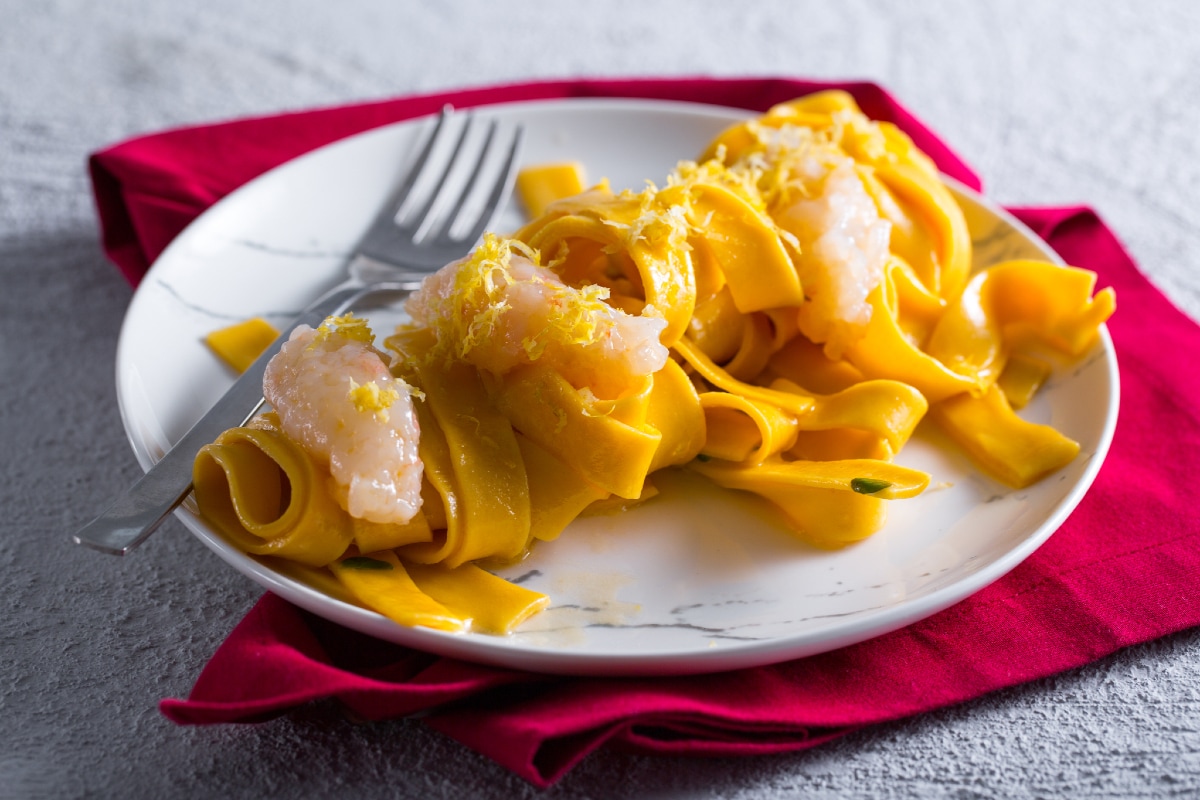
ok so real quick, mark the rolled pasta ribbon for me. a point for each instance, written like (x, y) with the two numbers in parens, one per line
(754, 350)
(785, 326)
(741, 343)
(652, 236)
(743, 430)
(716, 327)
(268, 497)
(740, 238)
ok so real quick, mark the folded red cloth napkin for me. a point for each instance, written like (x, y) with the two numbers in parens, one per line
(1123, 569)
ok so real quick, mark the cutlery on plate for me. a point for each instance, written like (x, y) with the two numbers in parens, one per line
(435, 215)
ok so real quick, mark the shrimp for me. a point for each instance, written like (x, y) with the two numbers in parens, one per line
(499, 309)
(336, 397)
(844, 247)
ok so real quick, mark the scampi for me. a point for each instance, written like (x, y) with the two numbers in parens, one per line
(498, 309)
(335, 395)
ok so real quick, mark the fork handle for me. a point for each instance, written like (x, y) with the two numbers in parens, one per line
(140, 509)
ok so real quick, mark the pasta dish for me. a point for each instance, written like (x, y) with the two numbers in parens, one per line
(778, 316)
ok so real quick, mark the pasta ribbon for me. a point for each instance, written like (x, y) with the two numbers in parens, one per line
(264, 493)
(371, 536)
(754, 349)
(614, 455)
(673, 409)
(1014, 303)
(244, 480)
(241, 344)
(381, 583)
(744, 430)
(742, 240)
(476, 459)
(793, 401)
(838, 444)
(926, 210)
(492, 604)
(717, 327)
(652, 236)
(557, 492)
(805, 364)
(1015, 452)
(540, 186)
(889, 409)
(1022, 377)
(928, 228)
(830, 504)
(887, 348)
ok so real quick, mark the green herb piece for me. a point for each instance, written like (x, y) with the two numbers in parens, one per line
(702, 458)
(362, 562)
(868, 485)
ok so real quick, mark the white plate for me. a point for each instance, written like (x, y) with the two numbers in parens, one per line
(696, 580)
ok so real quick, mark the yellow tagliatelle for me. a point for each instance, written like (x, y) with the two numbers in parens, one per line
(263, 491)
(240, 344)
(779, 317)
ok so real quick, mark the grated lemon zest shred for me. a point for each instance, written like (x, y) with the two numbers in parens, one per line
(471, 314)
(368, 397)
(347, 326)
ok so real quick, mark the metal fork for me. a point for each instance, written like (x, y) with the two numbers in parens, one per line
(417, 231)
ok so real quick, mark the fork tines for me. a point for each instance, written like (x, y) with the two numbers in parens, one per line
(457, 182)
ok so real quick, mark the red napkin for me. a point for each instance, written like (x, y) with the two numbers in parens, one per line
(1123, 569)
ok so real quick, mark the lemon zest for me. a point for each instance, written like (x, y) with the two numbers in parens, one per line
(369, 397)
(346, 326)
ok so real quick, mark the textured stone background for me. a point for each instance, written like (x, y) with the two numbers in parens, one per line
(1054, 103)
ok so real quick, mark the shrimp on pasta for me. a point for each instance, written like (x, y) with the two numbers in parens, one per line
(498, 308)
(335, 395)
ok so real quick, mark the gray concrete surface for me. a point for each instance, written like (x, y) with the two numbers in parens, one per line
(1054, 103)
